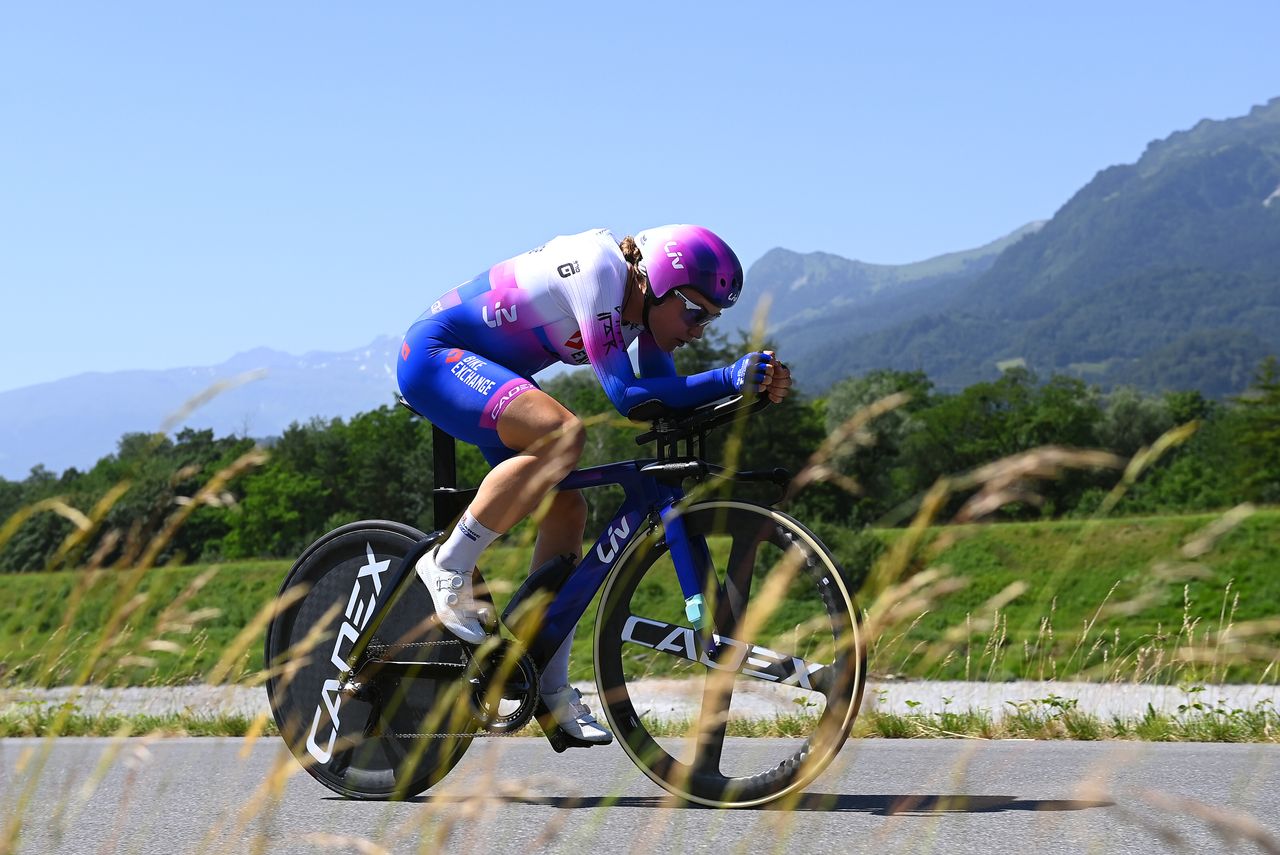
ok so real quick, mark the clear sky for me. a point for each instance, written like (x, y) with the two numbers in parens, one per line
(180, 181)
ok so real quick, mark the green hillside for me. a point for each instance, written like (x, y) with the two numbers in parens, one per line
(182, 621)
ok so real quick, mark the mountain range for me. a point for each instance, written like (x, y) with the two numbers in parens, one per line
(1164, 274)
(77, 420)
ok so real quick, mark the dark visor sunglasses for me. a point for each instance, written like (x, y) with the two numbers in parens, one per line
(695, 315)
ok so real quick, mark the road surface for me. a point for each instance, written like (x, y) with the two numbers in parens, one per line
(517, 796)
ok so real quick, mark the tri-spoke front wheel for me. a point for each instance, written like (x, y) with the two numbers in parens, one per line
(779, 656)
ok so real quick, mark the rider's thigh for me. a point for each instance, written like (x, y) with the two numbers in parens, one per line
(536, 420)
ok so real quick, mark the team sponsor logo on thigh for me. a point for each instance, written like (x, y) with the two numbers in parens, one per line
(501, 399)
(469, 372)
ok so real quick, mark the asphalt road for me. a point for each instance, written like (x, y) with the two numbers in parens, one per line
(517, 796)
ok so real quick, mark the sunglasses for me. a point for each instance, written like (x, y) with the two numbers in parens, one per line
(695, 315)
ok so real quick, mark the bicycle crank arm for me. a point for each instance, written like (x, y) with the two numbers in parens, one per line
(728, 654)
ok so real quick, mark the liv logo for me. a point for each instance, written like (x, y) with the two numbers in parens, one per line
(674, 255)
(500, 315)
(616, 533)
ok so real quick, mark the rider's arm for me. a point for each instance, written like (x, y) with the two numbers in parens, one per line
(754, 368)
(626, 391)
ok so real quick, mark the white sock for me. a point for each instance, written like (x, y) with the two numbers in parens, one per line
(555, 674)
(463, 548)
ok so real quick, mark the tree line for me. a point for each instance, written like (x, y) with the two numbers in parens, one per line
(233, 501)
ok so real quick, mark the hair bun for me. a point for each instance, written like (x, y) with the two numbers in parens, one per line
(630, 251)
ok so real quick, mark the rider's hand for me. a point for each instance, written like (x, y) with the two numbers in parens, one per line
(749, 373)
(777, 382)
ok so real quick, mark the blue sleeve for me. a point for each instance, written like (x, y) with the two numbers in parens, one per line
(654, 361)
(659, 381)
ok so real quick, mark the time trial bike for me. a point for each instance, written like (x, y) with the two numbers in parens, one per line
(377, 700)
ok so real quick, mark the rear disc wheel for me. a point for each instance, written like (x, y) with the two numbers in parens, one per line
(364, 744)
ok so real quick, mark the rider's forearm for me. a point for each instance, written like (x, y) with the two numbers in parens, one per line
(691, 391)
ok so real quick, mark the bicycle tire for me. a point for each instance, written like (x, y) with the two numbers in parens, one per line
(641, 589)
(364, 754)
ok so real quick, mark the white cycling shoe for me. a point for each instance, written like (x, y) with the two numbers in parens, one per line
(455, 604)
(573, 716)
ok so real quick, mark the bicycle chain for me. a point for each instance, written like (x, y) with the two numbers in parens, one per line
(394, 647)
(387, 649)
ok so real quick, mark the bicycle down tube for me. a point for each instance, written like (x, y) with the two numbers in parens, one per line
(644, 497)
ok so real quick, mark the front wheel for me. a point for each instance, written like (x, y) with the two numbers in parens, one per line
(783, 641)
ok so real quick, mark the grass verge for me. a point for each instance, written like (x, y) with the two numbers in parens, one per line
(1260, 724)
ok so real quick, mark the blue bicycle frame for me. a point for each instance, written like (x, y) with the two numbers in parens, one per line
(646, 498)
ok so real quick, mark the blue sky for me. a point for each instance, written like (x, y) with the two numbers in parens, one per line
(181, 182)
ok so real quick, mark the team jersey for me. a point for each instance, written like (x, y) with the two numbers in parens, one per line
(562, 302)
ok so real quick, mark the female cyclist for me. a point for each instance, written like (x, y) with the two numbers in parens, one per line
(467, 365)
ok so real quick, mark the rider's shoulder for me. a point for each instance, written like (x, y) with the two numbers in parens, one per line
(593, 252)
(590, 240)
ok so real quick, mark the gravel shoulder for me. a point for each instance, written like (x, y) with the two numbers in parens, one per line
(678, 699)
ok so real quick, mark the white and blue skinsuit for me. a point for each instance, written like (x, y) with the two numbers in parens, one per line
(477, 348)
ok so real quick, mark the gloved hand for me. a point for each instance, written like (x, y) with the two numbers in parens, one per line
(749, 371)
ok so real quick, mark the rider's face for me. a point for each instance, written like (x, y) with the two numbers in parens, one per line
(674, 322)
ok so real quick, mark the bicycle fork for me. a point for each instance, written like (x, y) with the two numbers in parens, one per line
(692, 560)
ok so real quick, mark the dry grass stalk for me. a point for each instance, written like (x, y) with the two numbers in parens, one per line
(208, 394)
(853, 432)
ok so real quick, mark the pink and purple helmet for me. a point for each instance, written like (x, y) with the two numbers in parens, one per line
(679, 256)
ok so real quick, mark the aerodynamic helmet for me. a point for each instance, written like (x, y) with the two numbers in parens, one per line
(683, 256)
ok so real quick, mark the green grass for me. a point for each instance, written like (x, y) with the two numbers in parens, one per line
(1075, 572)
(40, 646)
(1261, 724)
(37, 720)
(1117, 600)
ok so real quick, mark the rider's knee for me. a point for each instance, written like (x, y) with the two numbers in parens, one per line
(576, 437)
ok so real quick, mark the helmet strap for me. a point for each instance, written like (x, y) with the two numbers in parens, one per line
(649, 303)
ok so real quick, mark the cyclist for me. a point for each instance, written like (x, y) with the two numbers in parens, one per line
(467, 364)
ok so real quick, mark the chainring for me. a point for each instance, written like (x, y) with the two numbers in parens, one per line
(504, 688)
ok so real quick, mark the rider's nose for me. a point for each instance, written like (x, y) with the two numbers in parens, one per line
(696, 332)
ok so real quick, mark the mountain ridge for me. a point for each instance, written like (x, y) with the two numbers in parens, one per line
(74, 421)
(1189, 233)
